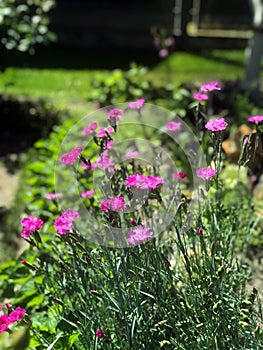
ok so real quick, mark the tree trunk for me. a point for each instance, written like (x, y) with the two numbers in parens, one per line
(254, 50)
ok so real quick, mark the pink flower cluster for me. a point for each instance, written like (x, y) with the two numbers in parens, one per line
(137, 104)
(173, 126)
(255, 119)
(206, 173)
(218, 124)
(14, 316)
(201, 97)
(144, 182)
(139, 234)
(104, 161)
(114, 115)
(163, 45)
(69, 158)
(210, 86)
(103, 132)
(30, 224)
(131, 154)
(64, 222)
(87, 194)
(89, 129)
(109, 145)
(114, 204)
(53, 196)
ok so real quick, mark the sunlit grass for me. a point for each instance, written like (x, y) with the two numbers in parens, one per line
(198, 67)
(59, 84)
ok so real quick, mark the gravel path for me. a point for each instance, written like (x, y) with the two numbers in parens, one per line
(8, 186)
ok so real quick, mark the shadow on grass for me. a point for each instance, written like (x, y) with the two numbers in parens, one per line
(76, 58)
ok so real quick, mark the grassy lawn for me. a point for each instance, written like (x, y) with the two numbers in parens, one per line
(198, 67)
(69, 88)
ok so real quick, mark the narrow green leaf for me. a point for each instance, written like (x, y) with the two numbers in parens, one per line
(114, 301)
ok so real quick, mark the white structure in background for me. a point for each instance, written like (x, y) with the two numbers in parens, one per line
(254, 51)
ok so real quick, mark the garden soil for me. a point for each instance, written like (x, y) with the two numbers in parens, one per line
(8, 187)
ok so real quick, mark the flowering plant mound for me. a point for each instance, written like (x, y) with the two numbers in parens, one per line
(138, 259)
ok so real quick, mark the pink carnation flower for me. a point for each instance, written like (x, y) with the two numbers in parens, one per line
(218, 124)
(87, 194)
(64, 222)
(109, 145)
(89, 129)
(62, 225)
(53, 196)
(201, 97)
(30, 225)
(180, 175)
(70, 214)
(143, 182)
(173, 126)
(255, 119)
(104, 161)
(114, 204)
(16, 315)
(139, 234)
(69, 158)
(206, 173)
(131, 154)
(210, 86)
(151, 182)
(114, 115)
(103, 132)
(4, 322)
(137, 104)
